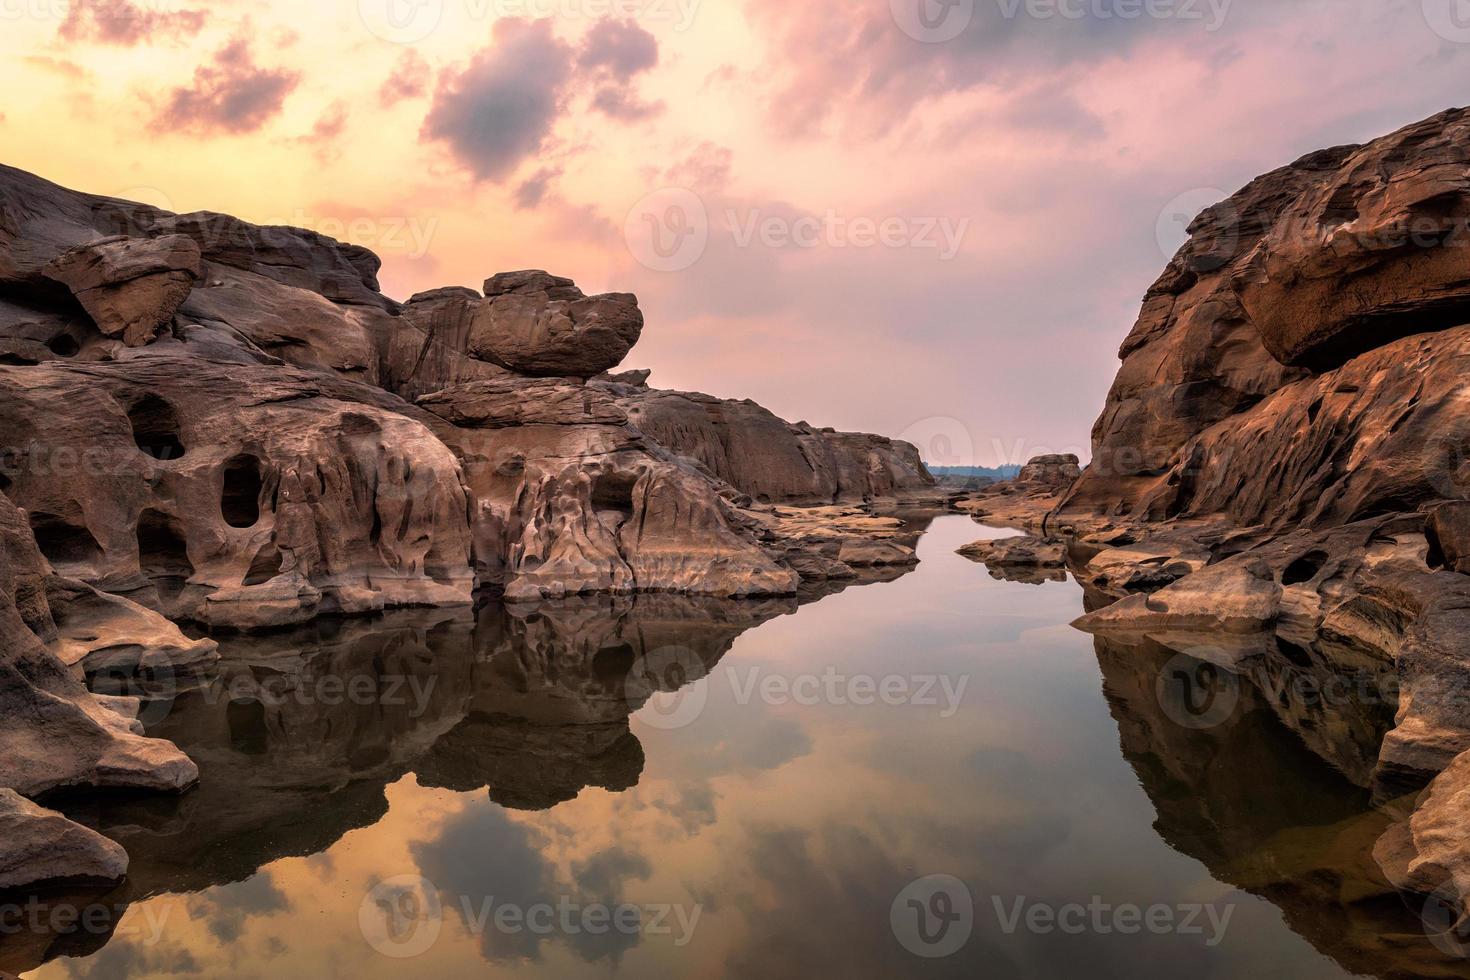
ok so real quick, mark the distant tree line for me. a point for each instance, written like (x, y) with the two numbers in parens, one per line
(996, 473)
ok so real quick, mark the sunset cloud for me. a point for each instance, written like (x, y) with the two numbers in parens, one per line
(613, 55)
(410, 80)
(499, 110)
(123, 23)
(1068, 144)
(231, 94)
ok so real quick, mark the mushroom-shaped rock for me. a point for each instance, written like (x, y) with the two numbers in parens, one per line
(542, 325)
(131, 287)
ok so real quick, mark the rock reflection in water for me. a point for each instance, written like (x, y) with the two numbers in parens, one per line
(298, 735)
(1263, 770)
(794, 826)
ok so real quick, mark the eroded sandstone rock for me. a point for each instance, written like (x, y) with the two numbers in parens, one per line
(131, 287)
(41, 847)
(260, 462)
(1289, 423)
(772, 460)
(56, 733)
(1376, 251)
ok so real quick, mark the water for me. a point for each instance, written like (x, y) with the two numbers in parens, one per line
(457, 796)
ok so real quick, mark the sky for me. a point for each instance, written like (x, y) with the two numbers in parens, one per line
(932, 219)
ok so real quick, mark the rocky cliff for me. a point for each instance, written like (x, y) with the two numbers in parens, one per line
(227, 425)
(1280, 465)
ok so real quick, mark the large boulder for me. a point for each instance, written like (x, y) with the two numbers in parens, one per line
(131, 287)
(1300, 359)
(1056, 470)
(543, 325)
(1377, 251)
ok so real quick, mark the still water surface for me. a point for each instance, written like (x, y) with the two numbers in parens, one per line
(450, 795)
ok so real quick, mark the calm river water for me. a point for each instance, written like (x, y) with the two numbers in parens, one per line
(931, 777)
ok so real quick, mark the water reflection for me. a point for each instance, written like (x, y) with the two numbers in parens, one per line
(657, 754)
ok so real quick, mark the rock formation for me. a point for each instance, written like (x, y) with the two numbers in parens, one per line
(44, 846)
(1282, 455)
(228, 425)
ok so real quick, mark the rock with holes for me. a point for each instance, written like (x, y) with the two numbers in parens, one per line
(569, 498)
(1290, 418)
(56, 733)
(238, 496)
(1298, 360)
(131, 287)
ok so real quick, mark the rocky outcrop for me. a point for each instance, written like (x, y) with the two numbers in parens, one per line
(234, 495)
(56, 733)
(44, 848)
(770, 459)
(1280, 460)
(228, 425)
(1058, 471)
(1026, 559)
(130, 287)
(1026, 501)
(1372, 253)
(569, 498)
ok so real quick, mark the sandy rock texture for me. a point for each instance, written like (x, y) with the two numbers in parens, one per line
(1280, 465)
(228, 426)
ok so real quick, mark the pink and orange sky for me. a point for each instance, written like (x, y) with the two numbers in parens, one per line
(929, 218)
